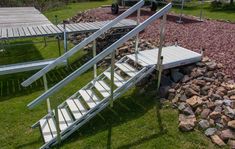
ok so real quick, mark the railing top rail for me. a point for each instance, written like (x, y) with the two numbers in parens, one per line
(100, 56)
(82, 44)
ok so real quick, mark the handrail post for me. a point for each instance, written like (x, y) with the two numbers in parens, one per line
(94, 54)
(160, 57)
(202, 1)
(65, 38)
(112, 77)
(137, 38)
(159, 74)
(162, 37)
(181, 12)
(46, 88)
(57, 126)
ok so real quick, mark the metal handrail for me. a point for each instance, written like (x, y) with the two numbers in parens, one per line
(82, 44)
(100, 56)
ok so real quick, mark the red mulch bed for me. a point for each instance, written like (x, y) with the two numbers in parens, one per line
(217, 38)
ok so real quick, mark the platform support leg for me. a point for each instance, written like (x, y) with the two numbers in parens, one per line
(162, 38)
(94, 54)
(58, 42)
(137, 38)
(46, 88)
(181, 12)
(201, 17)
(45, 41)
(65, 41)
(160, 57)
(159, 74)
(112, 77)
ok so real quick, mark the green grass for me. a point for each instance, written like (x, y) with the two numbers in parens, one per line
(194, 8)
(136, 120)
(72, 9)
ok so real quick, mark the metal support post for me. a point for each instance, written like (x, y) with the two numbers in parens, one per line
(94, 54)
(201, 18)
(137, 39)
(45, 41)
(202, 51)
(162, 38)
(112, 77)
(46, 88)
(57, 127)
(65, 39)
(58, 42)
(181, 12)
(159, 74)
(56, 20)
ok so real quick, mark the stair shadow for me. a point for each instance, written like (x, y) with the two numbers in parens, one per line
(138, 104)
(10, 85)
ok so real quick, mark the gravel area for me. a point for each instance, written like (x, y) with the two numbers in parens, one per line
(217, 38)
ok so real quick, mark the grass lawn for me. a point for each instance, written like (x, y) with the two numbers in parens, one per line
(136, 120)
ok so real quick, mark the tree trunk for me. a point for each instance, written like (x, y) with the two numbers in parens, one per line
(231, 2)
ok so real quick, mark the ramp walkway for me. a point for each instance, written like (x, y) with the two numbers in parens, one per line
(50, 29)
(105, 88)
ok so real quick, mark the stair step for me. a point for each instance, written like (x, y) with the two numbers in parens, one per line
(48, 129)
(89, 97)
(76, 108)
(129, 70)
(65, 119)
(118, 80)
(102, 87)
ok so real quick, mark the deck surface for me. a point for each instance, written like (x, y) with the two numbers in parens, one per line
(48, 29)
(21, 16)
(173, 56)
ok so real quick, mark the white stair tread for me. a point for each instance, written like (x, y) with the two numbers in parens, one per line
(76, 108)
(118, 80)
(87, 98)
(129, 70)
(48, 129)
(102, 87)
(65, 119)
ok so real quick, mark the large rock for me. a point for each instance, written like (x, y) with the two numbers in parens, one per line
(210, 131)
(194, 101)
(211, 65)
(231, 143)
(216, 139)
(231, 92)
(187, 123)
(205, 113)
(189, 92)
(227, 134)
(176, 75)
(229, 112)
(215, 115)
(231, 124)
(203, 124)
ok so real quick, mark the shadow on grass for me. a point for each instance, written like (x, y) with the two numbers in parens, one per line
(138, 104)
(19, 53)
(22, 146)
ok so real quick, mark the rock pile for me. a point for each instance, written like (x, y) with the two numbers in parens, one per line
(205, 98)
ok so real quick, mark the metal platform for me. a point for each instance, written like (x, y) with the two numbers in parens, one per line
(173, 56)
(26, 66)
(50, 29)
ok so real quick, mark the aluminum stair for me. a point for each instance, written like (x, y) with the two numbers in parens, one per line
(91, 99)
(88, 101)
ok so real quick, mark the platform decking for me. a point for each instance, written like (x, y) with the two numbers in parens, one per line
(50, 29)
(173, 56)
(11, 17)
